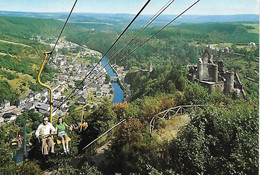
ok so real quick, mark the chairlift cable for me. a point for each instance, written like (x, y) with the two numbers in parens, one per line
(161, 29)
(63, 27)
(80, 84)
(104, 134)
(152, 36)
(145, 26)
(116, 40)
(77, 88)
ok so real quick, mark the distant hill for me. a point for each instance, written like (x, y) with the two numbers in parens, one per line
(17, 28)
(116, 22)
(225, 32)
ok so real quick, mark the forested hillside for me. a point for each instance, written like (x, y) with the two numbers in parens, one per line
(20, 52)
(225, 32)
(21, 28)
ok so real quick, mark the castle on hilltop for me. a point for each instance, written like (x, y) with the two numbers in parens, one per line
(211, 75)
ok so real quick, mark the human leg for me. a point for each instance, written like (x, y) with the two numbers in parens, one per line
(63, 143)
(67, 142)
(44, 148)
(50, 145)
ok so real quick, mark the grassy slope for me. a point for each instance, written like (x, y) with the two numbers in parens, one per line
(169, 128)
(18, 82)
(254, 25)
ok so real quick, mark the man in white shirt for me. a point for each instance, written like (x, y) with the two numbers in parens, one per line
(44, 131)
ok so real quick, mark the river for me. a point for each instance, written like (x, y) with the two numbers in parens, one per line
(118, 92)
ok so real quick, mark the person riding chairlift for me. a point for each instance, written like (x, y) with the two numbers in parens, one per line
(44, 131)
(60, 129)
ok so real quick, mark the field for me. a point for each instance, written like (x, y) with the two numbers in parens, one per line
(255, 25)
(20, 83)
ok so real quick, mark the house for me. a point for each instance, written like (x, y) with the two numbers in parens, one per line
(105, 89)
(30, 98)
(93, 87)
(6, 107)
(37, 94)
(44, 99)
(5, 104)
(57, 103)
(60, 113)
(72, 84)
(252, 44)
(61, 62)
(17, 112)
(81, 100)
(82, 93)
(56, 94)
(1, 119)
(45, 93)
(9, 116)
(42, 108)
(29, 106)
(22, 101)
(99, 94)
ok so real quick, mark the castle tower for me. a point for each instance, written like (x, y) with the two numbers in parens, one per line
(200, 69)
(221, 66)
(206, 56)
(229, 84)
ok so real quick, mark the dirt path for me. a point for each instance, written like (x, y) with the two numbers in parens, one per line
(4, 54)
(9, 42)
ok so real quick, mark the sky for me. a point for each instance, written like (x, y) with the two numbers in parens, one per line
(204, 7)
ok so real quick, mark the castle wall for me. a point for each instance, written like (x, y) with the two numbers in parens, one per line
(207, 72)
(212, 86)
(213, 72)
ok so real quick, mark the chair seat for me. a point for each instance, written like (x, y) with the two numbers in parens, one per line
(59, 141)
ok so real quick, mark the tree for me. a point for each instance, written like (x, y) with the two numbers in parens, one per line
(120, 109)
(180, 83)
(222, 141)
(7, 165)
(29, 168)
(99, 121)
(126, 145)
(195, 94)
(6, 93)
(108, 78)
(64, 51)
(192, 55)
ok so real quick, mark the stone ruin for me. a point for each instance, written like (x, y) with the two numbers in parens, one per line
(211, 75)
